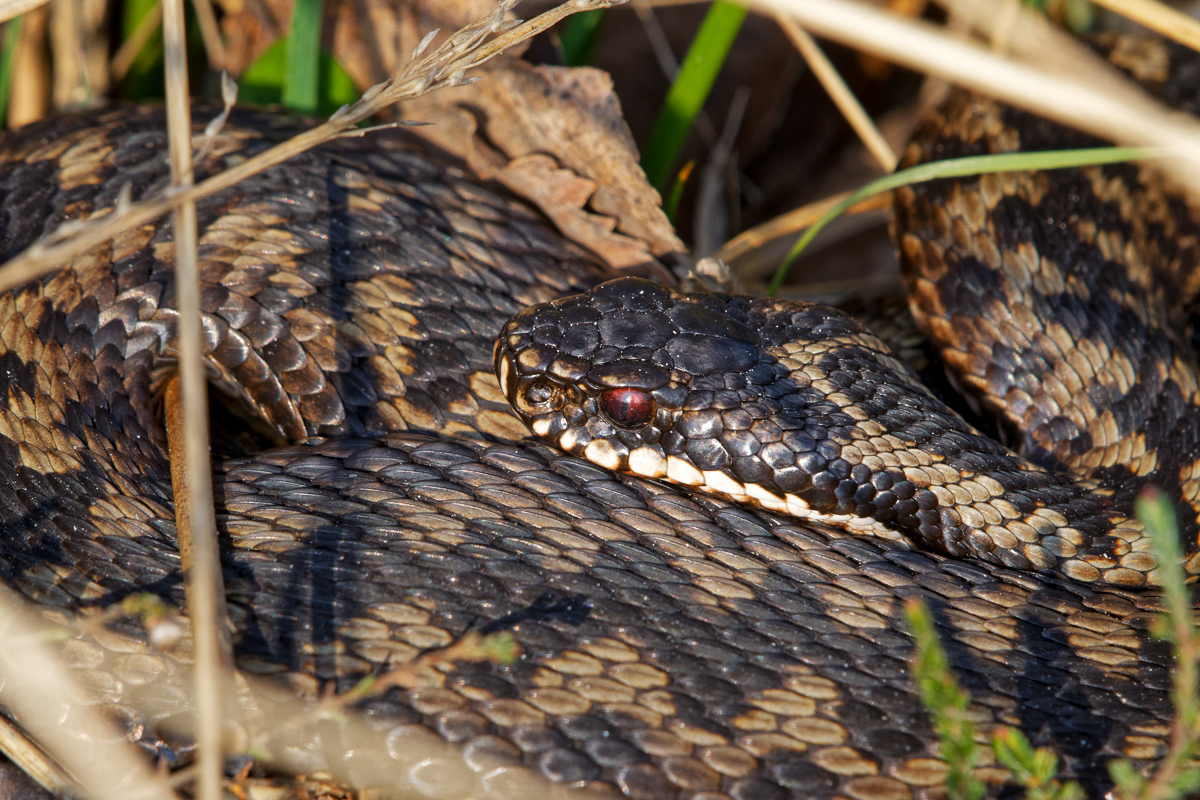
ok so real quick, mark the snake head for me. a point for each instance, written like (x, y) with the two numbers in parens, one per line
(615, 374)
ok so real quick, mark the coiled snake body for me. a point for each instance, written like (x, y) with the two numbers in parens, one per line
(674, 645)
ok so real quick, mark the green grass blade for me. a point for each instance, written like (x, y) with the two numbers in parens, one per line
(300, 80)
(1157, 515)
(144, 80)
(8, 49)
(687, 95)
(961, 168)
(578, 37)
(261, 84)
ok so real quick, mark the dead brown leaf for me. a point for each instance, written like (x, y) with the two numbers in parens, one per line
(556, 136)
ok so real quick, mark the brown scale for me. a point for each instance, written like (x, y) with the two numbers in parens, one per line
(673, 645)
(1059, 301)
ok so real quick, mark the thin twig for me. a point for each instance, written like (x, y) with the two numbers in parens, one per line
(841, 95)
(793, 222)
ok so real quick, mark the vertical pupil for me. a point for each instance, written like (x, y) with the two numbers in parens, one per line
(627, 408)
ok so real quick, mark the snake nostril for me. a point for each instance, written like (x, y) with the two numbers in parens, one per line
(628, 408)
(539, 393)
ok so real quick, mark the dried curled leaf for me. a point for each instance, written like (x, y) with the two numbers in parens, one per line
(556, 136)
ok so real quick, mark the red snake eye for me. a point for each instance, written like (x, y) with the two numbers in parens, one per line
(628, 408)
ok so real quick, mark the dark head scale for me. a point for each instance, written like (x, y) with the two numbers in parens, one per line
(605, 374)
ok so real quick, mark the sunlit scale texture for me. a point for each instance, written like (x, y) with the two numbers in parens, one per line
(673, 645)
(796, 408)
(1060, 299)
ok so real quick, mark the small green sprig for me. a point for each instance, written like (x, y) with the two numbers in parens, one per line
(1177, 774)
(946, 702)
(1036, 770)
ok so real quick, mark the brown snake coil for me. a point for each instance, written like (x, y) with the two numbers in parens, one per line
(672, 645)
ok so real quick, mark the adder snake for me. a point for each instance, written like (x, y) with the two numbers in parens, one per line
(674, 645)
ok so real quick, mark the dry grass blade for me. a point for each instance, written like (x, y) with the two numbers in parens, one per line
(1114, 110)
(35, 762)
(445, 67)
(35, 686)
(133, 44)
(841, 95)
(793, 222)
(1158, 17)
(191, 472)
(13, 8)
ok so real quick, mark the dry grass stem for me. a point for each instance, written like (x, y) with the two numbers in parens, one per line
(191, 470)
(668, 64)
(660, 47)
(841, 95)
(33, 760)
(13, 8)
(1115, 110)
(29, 98)
(445, 67)
(35, 685)
(1158, 17)
(1026, 35)
(794, 222)
(201, 559)
(210, 32)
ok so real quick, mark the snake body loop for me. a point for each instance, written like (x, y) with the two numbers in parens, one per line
(673, 644)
